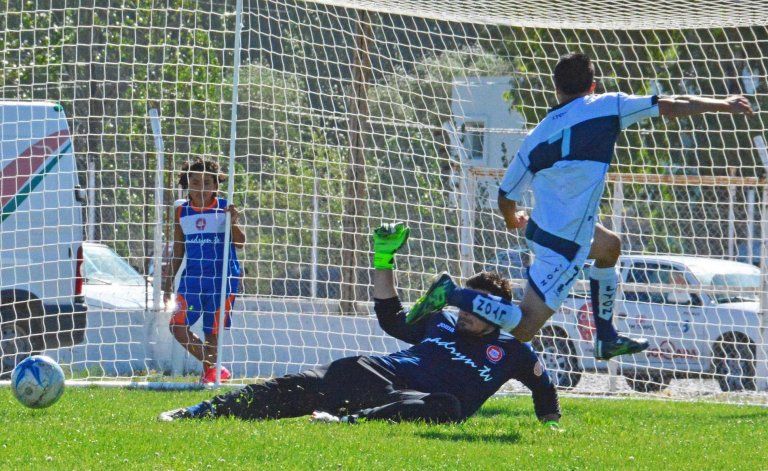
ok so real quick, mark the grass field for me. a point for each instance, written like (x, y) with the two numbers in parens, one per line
(94, 428)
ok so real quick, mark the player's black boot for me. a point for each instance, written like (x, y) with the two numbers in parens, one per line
(605, 349)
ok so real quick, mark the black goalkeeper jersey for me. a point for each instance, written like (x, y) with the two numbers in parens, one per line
(470, 368)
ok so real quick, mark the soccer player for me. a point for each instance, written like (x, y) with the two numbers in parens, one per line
(199, 242)
(455, 363)
(564, 159)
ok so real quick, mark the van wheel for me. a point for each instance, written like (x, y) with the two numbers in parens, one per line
(559, 357)
(15, 346)
(734, 363)
(27, 313)
(647, 380)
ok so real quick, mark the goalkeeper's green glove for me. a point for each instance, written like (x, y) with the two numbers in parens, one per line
(387, 239)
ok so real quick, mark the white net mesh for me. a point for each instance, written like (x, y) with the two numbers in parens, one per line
(353, 114)
(594, 14)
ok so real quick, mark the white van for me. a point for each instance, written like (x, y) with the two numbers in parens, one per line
(41, 233)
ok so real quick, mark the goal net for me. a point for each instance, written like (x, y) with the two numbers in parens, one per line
(348, 114)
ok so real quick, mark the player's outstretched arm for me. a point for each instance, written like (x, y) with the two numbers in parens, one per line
(678, 106)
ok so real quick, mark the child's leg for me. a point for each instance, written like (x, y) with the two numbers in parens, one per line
(179, 327)
(211, 328)
(189, 340)
(210, 350)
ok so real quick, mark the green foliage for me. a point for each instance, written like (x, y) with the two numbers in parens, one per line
(108, 65)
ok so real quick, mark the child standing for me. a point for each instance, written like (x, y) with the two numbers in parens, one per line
(199, 225)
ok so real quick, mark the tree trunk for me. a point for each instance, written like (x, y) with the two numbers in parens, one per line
(353, 242)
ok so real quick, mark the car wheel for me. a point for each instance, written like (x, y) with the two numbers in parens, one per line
(647, 380)
(15, 346)
(734, 364)
(559, 357)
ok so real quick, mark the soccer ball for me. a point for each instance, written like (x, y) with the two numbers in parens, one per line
(37, 381)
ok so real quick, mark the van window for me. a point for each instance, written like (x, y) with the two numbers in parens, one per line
(644, 273)
(659, 274)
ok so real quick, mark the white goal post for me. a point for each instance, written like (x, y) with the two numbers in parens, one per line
(330, 117)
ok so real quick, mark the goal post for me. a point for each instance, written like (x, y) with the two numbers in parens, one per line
(332, 116)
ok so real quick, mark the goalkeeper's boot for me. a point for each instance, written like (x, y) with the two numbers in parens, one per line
(433, 300)
(320, 417)
(198, 411)
(607, 349)
(209, 375)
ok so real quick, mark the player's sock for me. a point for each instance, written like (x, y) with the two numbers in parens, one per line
(491, 308)
(602, 284)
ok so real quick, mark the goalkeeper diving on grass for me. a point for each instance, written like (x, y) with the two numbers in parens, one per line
(456, 362)
(564, 160)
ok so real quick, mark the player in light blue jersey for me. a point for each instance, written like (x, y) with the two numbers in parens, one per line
(200, 221)
(564, 160)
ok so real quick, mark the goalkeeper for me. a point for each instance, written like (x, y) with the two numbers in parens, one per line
(455, 363)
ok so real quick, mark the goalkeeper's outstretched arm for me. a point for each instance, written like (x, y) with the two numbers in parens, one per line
(387, 240)
(546, 402)
(678, 106)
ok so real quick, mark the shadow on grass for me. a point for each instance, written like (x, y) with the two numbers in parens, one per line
(462, 436)
(714, 416)
(493, 411)
(761, 415)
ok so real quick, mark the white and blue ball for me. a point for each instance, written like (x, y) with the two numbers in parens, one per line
(37, 382)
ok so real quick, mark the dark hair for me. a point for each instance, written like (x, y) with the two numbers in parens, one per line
(199, 165)
(491, 282)
(574, 73)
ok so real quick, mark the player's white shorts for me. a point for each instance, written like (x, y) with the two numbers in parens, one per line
(556, 265)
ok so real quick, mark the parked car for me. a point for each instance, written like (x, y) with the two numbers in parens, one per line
(111, 283)
(41, 232)
(701, 316)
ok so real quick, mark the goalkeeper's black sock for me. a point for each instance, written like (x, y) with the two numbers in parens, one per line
(350, 419)
(201, 411)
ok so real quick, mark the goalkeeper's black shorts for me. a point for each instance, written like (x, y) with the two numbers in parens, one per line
(352, 385)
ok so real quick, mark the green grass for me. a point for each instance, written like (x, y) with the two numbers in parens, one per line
(94, 428)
